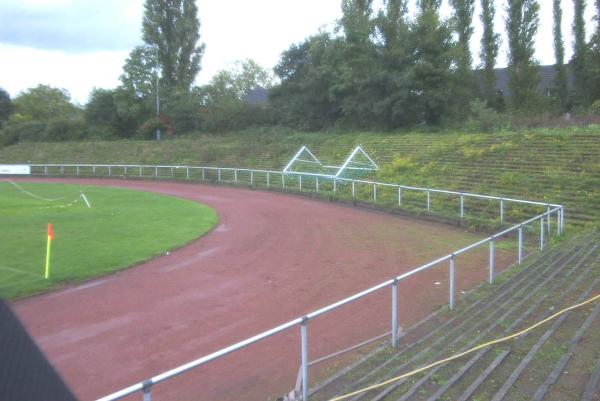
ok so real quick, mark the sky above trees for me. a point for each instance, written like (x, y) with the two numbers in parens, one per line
(78, 45)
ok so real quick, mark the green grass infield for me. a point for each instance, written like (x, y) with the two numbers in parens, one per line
(122, 228)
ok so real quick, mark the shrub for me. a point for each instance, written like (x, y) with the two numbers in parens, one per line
(483, 118)
(22, 131)
(64, 129)
(595, 108)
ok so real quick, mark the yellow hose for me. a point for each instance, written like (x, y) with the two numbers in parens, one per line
(470, 351)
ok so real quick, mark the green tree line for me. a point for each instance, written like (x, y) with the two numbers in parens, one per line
(378, 69)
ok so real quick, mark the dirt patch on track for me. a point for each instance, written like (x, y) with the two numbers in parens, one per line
(273, 257)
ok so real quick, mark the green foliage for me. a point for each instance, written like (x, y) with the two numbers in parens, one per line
(224, 99)
(115, 112)
(140, 71)
(22, 130)
(559, 52)
(464, 81)
(522, 23)
(483, 118)
(490, 44)
(431, 77)
(43, 103)
(579, 62)
(307, 97)
(594, 59)
(595, 108)
(236, 83)
(42, 113)
(6, 107)
(174, 28)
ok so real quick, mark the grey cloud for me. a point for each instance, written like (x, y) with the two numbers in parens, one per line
(82, 26)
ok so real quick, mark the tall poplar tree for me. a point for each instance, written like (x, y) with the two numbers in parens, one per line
(174, 28)
(462, 20)
(353, 85)
(579, 60)
(559, 54)
(594, 59)
(522, 21)
(490, 44)
(425, 5)
(430, 73)
(392, 80)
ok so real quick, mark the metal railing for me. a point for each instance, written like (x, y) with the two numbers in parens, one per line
(552, 212)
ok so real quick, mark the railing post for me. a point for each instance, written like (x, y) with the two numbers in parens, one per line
(94, 170)
(548, 217)
(77, 170)
(428, 200)
(334, 185)
(353, 190)
(462, 205)
(520, 254)
(501, 210)
(45, 170)
(156, 172)
(251, 177)
(282, 181)
(491, 278)
(147, 390)
(268, 179)
(317, 184)
(542, 234)
(218, 174)
(374, 193)
(562, 219)
(109, 171)
(172, 175)
(187, 173)
(203, 174)
(235, 175)
(300, 182)
(399, 196)
(394, 312)
(141, 170)
(62, 170)
(558, 222)
(304, 357)
(125, 171)
(451, 283)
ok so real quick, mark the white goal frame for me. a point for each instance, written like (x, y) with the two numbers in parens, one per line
(304, 151)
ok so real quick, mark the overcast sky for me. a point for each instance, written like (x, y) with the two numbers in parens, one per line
(82, 44)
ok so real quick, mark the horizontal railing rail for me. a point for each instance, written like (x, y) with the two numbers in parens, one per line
(543, 218)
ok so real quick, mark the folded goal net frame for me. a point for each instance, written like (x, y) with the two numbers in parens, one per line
(357, 165)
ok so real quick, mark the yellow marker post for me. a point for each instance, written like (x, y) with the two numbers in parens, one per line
(48, 246)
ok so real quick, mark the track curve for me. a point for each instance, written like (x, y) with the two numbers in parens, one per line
(273, 257)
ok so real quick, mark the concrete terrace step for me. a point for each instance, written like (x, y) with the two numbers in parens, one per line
(546, 283)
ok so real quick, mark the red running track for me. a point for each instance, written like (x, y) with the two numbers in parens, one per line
(273, 257)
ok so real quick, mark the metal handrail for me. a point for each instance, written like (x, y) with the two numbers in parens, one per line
(552, 209)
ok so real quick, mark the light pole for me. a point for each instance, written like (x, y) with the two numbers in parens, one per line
(157, 97)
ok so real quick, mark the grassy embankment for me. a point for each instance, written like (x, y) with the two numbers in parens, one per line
(560, 165)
